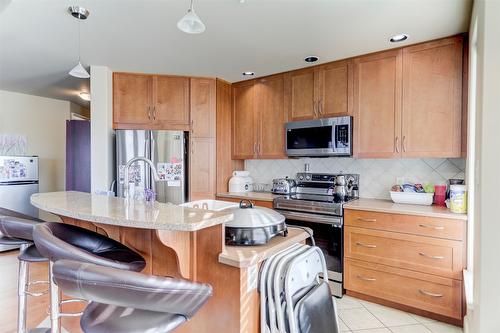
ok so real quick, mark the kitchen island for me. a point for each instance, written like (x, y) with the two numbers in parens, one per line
(180, 242)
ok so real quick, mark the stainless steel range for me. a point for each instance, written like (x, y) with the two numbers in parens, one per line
(318, 204)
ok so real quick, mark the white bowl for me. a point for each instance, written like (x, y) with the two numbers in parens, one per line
(412, 198)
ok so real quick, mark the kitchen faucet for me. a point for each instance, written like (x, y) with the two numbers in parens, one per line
(127, 167)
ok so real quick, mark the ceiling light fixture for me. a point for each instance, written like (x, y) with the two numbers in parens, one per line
(191, 23)
(248, 73)
(311, 58)
(79, 13)
(398, 38)
(85, 96)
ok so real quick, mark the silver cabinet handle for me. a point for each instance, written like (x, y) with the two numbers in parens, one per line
(149, 112)
(435, 227)
(371, 246)
(255, 148)
(258, 148)
(320, 107)
(366, 220)
(154, 112)
(397, 144)
(429, 256)
(364, 278)
(428, 293)
(404, 148)
(315, 109)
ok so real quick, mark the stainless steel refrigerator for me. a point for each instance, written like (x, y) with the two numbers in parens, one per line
(168, 152)
(18, 181)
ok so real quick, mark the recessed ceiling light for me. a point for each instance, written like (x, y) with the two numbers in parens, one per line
(312, 58)
(248, 73)
(399, 38)
(85, 96)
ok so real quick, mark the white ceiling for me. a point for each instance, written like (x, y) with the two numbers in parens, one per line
(38, 38)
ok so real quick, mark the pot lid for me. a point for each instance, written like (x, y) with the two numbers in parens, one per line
(249, 216)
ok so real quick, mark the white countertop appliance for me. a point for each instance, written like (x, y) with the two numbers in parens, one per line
(241, 182)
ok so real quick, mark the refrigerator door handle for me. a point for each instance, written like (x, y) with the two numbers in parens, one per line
(152, 158)
(147, 145)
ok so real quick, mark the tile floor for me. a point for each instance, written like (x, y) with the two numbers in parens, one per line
(358, 316)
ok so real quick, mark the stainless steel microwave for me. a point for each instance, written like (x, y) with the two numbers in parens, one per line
(320, 137)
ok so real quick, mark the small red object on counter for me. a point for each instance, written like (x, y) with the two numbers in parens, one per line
(440, 195)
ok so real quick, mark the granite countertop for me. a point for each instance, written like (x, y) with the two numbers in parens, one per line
(246, 256)
(387, 206)
(262, 196)
(119, 212)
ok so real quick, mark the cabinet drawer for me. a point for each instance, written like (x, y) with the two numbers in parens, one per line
(411, 224)
(422, 291)
(423, 254)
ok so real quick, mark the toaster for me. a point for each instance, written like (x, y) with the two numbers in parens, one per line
(283, 186)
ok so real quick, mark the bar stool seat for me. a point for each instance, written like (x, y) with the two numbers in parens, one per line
(59, 241)
(129, 302)
(16, 230)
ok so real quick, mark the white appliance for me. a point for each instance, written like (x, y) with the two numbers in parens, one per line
(241, 182)
(18, 181)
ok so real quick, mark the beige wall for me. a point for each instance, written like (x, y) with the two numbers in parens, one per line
(484, 315)
(43, 122)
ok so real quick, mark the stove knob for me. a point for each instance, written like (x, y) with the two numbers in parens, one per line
(308, 177)
(301, 177)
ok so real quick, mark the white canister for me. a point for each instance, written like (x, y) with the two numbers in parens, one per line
(458, 199)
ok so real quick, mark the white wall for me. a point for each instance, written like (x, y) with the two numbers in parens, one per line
(101, 128)
(43, 122)
(484, 316)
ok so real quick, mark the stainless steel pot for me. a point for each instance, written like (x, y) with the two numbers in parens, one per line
(253, 225)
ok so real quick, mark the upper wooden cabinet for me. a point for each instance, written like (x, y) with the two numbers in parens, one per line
(270, 106)
(319, 92)
(408, 102)
(143, 101)
(171, 100)
(132, 98)
(203, 104)
(300, 92)
(334, 89)
(244, 127)
(377, 105)
(259, 118)
(432, 99)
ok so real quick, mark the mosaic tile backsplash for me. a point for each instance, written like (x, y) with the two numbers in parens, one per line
(376, 175)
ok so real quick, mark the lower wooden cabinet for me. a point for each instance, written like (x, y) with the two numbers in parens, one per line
(414, 261)
(422, 291)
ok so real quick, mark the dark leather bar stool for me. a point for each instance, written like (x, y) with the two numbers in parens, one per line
(58, 241)
(19, 231)
(129, 302)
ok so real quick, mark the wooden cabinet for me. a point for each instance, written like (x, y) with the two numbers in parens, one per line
(377, 105)
(202, 180)
(171, 100)
(300, 87)
(335, 89)
(143, 101)
(432, 99)
(132, 98)
(408, 102)
(270, 107)
(259, 118)
(420, 258)
(244, 120)
(320, 92)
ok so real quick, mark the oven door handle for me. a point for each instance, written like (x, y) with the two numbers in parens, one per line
(313, 218)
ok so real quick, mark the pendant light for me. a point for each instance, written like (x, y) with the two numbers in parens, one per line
(79, 13)
(191, 23)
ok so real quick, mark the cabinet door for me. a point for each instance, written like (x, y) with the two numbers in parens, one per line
(203, 106)
(335, 89)
(301, 94)
(171, 100)
(377, 105)
(432, 99)
(244, 120)
(202, 168)
(270, 103)
(132, 99)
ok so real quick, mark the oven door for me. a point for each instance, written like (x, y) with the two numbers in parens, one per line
(328, 235)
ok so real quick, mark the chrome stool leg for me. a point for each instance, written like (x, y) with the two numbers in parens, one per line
(22, 287)
(55, 322)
